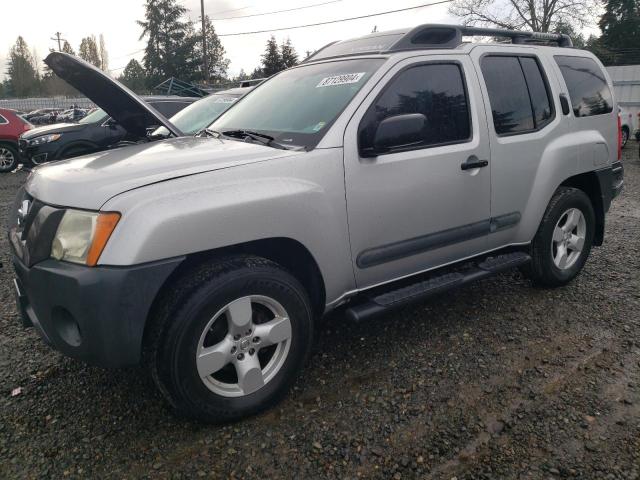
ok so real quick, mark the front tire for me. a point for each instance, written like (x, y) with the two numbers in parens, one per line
(564, 239)
(230, 338)
(8, 158)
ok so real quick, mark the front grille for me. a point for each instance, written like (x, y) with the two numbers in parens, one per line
(22, 145)
(32, 226)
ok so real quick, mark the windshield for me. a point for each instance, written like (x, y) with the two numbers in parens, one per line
(94, 117)
(297, 106)
(199, 114)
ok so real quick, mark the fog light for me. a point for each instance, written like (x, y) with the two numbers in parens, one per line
(66, 326)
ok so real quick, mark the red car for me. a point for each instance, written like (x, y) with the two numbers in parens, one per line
(11, 127)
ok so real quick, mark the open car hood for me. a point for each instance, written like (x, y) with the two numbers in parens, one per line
(124, 106)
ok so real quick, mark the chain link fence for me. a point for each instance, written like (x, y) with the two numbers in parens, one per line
(29, 104)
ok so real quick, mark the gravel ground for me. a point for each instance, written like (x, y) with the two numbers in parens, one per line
(498, 380)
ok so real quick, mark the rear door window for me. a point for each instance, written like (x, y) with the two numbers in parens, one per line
(518, 93)
(588, 89)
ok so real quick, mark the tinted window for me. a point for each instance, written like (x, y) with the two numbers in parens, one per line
(508, 95)
(588, 89)
(437, 91)
(540, 101)
(3, 120)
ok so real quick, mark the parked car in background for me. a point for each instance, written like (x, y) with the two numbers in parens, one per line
(72, 115)
(628, 125)
(379, 172)
(202, 113)
(12, 126)
(39, 113)
(95, 132)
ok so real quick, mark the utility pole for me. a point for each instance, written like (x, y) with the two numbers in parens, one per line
(58, 38)
(204, 44)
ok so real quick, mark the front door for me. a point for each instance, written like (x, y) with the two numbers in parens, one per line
(424, 203)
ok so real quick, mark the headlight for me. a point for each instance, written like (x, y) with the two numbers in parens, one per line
(81, 236)
(45, 139)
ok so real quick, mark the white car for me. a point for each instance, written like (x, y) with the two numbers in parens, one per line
(629, 123)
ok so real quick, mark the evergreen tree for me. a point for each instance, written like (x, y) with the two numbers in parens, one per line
(288, 54)
(89, 50)
(217, 63)
(241, 76)
(257, 73)
(171, 41)
(271, 59)
(620, 25)
(23, 78)
(67, 48)
(134, 76)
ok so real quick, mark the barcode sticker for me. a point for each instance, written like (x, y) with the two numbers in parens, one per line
(341, 79)
(224, 100)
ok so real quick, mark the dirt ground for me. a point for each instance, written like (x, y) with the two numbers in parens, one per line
(498, 380)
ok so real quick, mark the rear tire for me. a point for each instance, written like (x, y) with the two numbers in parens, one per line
(564, 239)
(625, 136)
(230, 338)
(8, 158)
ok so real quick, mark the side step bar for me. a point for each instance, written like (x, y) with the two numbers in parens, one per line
(417, 292)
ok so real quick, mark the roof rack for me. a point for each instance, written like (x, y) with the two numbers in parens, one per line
(430, 36)
(450, 36)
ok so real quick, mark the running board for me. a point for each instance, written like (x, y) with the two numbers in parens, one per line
(406, 295)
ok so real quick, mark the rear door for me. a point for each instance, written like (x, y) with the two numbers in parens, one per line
(415, 207)
(522, 103)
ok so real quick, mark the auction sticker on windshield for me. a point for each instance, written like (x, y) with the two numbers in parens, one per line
(343, 79)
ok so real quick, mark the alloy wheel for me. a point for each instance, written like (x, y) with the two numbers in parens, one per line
(7, 158)
(244, 346)
(568, 238)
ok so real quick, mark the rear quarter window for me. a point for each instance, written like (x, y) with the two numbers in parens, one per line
(587, 85)
(3, 120)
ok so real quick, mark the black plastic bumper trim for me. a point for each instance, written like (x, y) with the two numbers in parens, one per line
(413, 246)
(109, 304)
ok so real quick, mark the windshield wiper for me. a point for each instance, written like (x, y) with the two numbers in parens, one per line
(206, 132)
(263, 138)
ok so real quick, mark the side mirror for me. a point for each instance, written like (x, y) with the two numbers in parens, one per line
(399, 131)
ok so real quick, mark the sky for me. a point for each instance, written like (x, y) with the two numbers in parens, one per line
(116, 20)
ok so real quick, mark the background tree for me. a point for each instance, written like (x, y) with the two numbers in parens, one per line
(134, 76)
(534, 15)
(217, 63)
(23, 78)
(89, 50)
(103, 54)
(171, 41)
(67, 48)
(620, 26)
(288, 54)
(271, 58)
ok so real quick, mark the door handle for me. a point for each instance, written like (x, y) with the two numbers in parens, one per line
(473, 162)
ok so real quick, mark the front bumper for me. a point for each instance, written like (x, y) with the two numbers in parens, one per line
(96, 314)
(37, 154)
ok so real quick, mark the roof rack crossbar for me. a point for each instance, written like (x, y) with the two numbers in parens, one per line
(518, 36)
(450, 36)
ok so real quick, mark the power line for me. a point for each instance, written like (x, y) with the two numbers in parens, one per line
(277, 11)
(334, 21)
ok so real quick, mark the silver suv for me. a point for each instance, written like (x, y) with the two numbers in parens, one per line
(379, 172)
